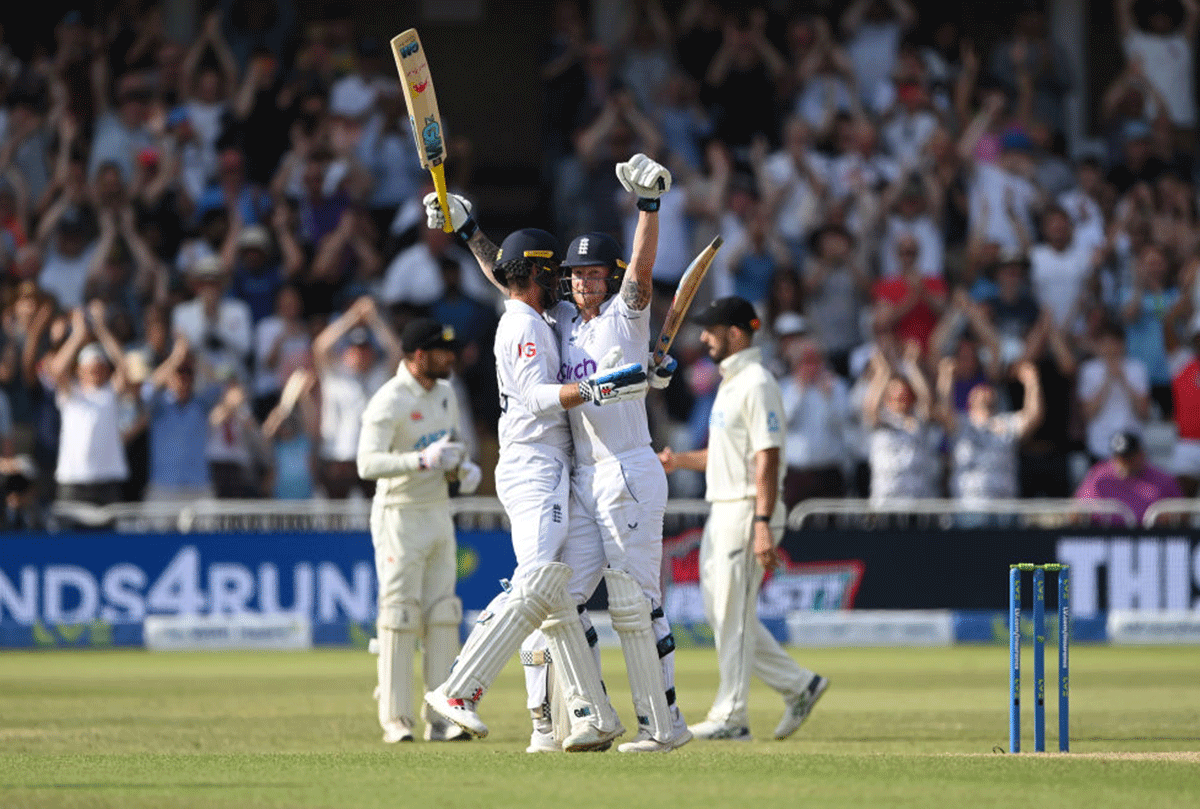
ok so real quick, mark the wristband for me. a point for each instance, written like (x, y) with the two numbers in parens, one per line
(467, 230)
(647, 204)
(762, 517)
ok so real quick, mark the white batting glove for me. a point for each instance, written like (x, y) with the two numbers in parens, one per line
(460, 214)
(614, 382)
(660, 375)
(642, 176)
(469, 475)
(442, 454)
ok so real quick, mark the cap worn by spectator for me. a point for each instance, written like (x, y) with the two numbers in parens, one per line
(92, 352)
(178, 116)
(358, 337)
(730, 311)
(254, 237)
(426, 333)
(1016, 140)
(351, 99)
(1125, 444)
(1135, 130)
(1009, 258)
(206, 268)
(789, 324)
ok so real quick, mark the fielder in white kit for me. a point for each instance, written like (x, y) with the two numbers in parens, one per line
(618, 487)
(532, 482)
(407, 443)
(744, 478)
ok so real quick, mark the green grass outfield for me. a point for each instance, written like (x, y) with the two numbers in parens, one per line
(897, 728)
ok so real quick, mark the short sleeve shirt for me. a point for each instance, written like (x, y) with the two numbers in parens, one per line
(746, 417)
(985, 458)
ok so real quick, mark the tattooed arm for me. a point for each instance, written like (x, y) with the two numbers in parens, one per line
(485, 252)
(636, 287)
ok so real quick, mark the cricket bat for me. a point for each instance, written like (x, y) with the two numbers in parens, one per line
(684, 293)
(423, 113)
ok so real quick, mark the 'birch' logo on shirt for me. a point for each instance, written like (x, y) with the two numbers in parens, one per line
(568, 372)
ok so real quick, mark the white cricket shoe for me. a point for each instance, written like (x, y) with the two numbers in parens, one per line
(397, 730)
(720, 731)
(543, 743)
(439, 730)
(591, 738)
(645, 743)
(798, 708)
(459, 711)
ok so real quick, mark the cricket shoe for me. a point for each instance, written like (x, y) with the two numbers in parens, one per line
(645, 743)
(397, 730)
(439, 730)
(459, 711)
(543, 743)
(720, 731)
(798, 708)
(589, 738)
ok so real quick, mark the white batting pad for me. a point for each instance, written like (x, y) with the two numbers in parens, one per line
(440, 644)
(576, 670)
(630, 612)
(497, 636)
(395, 669)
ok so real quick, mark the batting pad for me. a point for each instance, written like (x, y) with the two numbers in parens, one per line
(576, 670)
(395, 669)
(496, 637)
(441, 639)
(630, 612)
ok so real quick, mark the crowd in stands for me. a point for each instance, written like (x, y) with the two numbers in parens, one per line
(207, 248)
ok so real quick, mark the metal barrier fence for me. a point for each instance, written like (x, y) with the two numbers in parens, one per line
(940, 513)
(486, 513)
(219, 516)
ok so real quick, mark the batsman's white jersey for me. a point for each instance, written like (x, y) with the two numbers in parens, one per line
(747, 417)
(603, 432)
(527, 367)
(413, 535)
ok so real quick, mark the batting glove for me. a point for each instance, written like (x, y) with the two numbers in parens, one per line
(469, 475)
(460, 214)
(642, 176)
(441, 454)
(614, 381)
(660, 374)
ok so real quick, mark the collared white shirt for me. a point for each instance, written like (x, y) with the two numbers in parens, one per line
(746, 417)
(233, 324)
(815, 423)
(403, 417)
(527, 358)
(603, 432)
(89, 441)
(344, 397)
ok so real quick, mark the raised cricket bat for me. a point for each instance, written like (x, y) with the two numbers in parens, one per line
(423, 112)
(684, 293)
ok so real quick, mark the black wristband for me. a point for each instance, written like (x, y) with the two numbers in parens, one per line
(762, 517)
(467, 230)
(647, 204)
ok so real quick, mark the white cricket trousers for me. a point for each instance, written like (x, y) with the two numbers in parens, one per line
(415, 558)
(730, 578)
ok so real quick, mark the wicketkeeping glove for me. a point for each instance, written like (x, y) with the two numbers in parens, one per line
(469, 475)
(441, 454)
(660, 375)
(614, 381)
(460, 214)
(642, 176)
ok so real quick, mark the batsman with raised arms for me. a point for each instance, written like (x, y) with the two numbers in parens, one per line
(533, 484)
(618, 487)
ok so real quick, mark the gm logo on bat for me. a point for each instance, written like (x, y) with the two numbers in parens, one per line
(410, 48)
(432, 136)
